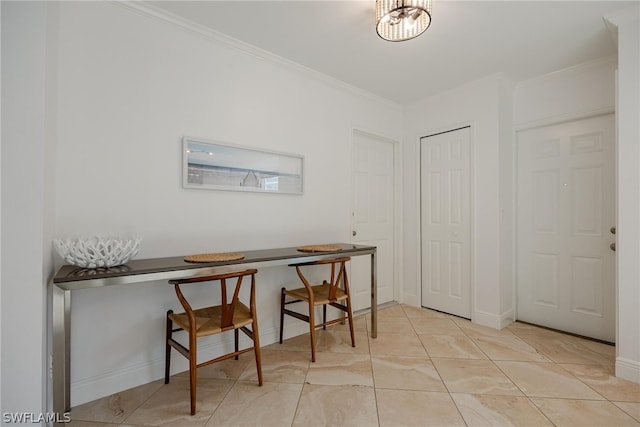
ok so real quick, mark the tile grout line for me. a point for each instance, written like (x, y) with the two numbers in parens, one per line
(469, 334)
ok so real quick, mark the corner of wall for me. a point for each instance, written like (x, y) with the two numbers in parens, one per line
(492, 320)
(628, 369)
(23, 137)
(627, 23)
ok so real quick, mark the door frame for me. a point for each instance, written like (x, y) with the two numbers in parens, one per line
(552, 121)
(472, 211)
(397, 203)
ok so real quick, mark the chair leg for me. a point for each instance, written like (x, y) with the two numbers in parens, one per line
(282, 298)
(324, 317)
(167, 353)
(353, 337)
(256, 350)
(236, 338)
(312, 331)
(193, 367)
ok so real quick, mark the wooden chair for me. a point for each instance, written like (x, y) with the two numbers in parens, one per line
(326, 293)
(228, 316)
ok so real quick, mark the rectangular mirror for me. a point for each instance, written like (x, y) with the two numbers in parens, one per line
(220, 166)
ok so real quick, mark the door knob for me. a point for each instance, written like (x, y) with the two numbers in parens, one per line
(353, 233)
(613, 246)
(613, 230)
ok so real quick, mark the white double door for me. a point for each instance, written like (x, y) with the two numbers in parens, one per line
(566, 208)
(445, 201)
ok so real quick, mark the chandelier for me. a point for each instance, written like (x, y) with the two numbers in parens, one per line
(398, 20)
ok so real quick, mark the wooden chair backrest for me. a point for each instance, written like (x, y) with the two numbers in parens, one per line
(336, 276)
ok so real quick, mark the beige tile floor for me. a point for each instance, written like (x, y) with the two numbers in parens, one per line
(425, 368)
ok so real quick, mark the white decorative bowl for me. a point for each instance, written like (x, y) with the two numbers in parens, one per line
(96, 252)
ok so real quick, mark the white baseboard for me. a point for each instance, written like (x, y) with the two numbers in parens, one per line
(628, 369)
(493, 320)
(117, 380)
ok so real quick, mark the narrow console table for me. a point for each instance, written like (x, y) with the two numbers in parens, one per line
(70, 278)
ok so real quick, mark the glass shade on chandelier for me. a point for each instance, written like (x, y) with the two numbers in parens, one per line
(398, 20)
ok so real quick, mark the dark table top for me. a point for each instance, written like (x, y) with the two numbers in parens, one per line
(70, 277)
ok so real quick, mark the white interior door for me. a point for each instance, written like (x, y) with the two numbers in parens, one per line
(445, 222)
(373, 217)
(566, 208)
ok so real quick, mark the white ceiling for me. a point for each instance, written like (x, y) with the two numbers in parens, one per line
(467, 40)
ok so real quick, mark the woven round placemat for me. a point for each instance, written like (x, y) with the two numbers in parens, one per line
(228, 256)
(319, 248)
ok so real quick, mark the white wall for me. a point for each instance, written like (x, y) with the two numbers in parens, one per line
(507, 203)
(627, 30)
(494, 107)
(587, 90)
(481, 105)
(129, 87)
(1, 405)
(121, 89)
(569, 94)
(578, 92)
(25, 266)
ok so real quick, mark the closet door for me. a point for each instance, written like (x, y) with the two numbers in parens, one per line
(445, 222)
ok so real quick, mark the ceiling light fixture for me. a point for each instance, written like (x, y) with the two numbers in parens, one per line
(398, 20)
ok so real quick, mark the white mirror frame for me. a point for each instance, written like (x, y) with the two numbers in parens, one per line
(214, 165)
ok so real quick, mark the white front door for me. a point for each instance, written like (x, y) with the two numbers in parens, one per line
(446, 222)
(373, 217)
(566, 208)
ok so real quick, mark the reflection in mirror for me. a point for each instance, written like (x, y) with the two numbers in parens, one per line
(212, 165)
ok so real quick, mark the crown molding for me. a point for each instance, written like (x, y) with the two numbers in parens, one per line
(621, 17)
(222, 39)
(624, 16)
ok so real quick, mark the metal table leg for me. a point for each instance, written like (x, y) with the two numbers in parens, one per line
(374, 297)
(60, 351)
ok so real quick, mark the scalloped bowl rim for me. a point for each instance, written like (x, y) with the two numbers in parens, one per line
(98, 251)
